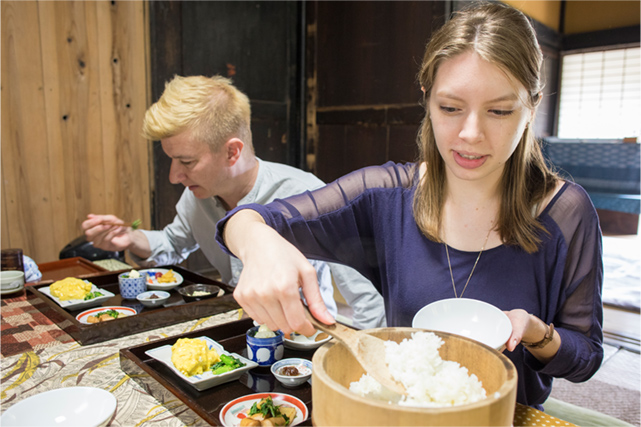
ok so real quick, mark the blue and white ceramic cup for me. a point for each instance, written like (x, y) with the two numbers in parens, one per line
(264, 351)
(130, 287)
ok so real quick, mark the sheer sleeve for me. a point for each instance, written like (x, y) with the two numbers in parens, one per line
(580, 313)
(334, 223)
(343, 191)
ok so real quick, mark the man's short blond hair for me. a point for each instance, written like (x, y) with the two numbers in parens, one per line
(210, 107)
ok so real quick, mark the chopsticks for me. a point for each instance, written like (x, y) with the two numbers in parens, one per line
(134, 225)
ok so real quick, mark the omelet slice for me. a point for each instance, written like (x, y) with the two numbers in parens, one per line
(191, 356)
(70, 288)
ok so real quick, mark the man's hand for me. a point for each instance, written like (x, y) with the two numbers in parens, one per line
(110, 233)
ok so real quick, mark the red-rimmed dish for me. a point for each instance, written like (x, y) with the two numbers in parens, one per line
(82, 317)
(235, 411)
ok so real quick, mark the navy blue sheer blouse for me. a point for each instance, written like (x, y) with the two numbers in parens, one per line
(365, 220)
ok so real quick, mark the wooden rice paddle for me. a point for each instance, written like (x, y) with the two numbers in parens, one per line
(368, 350)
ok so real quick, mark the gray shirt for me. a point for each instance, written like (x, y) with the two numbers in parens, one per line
(194, 227)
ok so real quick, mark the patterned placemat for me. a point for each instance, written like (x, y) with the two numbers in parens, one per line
(98, 365)
(24, 325)
(112, 264)
(527, 416)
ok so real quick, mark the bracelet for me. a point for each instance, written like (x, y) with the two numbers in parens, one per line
(549, 336)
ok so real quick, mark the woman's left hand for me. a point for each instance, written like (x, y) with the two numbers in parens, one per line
(520, 320)
(529, 328)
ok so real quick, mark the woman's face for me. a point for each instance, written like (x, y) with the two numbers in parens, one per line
(478, 117)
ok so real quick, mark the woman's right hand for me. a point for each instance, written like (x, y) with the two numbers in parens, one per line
(273, 272)
(107, 232)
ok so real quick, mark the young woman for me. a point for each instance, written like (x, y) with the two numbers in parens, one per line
(479, 216)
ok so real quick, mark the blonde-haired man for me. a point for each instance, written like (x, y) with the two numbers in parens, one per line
(203, 124)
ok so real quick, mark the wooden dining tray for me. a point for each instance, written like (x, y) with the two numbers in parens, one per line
(175, 310)
(69, 267)
(164, 385)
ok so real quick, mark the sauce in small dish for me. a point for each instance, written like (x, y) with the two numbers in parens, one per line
(292, 372)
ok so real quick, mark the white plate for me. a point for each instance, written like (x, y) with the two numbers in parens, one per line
(301, 342)
(77, 304)
(153, 283)
(207, 379)
(82, 317)
(69, 406)
(234, 411)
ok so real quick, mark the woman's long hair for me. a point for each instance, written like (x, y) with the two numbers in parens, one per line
(504, 37)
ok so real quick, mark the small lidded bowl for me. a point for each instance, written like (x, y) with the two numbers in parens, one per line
(264, 351)
(132, 283)
(292, 372)
(153, 298)
(198, 292)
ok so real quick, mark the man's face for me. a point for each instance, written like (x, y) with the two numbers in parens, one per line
(196, 166)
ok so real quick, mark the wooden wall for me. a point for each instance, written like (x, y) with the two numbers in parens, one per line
(363, 101)
(74, 92)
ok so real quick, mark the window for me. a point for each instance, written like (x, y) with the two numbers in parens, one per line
(600, 95)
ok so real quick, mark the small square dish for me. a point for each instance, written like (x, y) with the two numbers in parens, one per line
(77, 304)
(153, 275)
(207, 379)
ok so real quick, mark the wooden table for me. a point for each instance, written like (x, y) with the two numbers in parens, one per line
(38, 356)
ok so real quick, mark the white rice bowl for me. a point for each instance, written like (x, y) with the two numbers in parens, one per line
(429, 380)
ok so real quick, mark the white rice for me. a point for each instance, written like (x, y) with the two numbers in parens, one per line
(429, 380)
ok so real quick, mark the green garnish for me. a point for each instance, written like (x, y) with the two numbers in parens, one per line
(267, 409)
(112, 313)
(92, 295)
(226, 364)
(136, 224)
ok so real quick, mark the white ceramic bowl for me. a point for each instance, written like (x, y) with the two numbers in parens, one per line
(11, 280)
(303, 366)
(69, 406)
(146, 298)
(470, 318)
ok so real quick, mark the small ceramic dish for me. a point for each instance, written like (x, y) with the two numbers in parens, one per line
(264, 351)
(77, 304)
(153, 298)
(11, 280)
(292, 372)
(199, 292)
(151, 277)
(123, 312)
(207, 379)
(470, 318)
(301, 342)
(131, 287)
(235, 411)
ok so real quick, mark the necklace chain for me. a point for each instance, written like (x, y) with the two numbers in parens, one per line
(447, 252)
